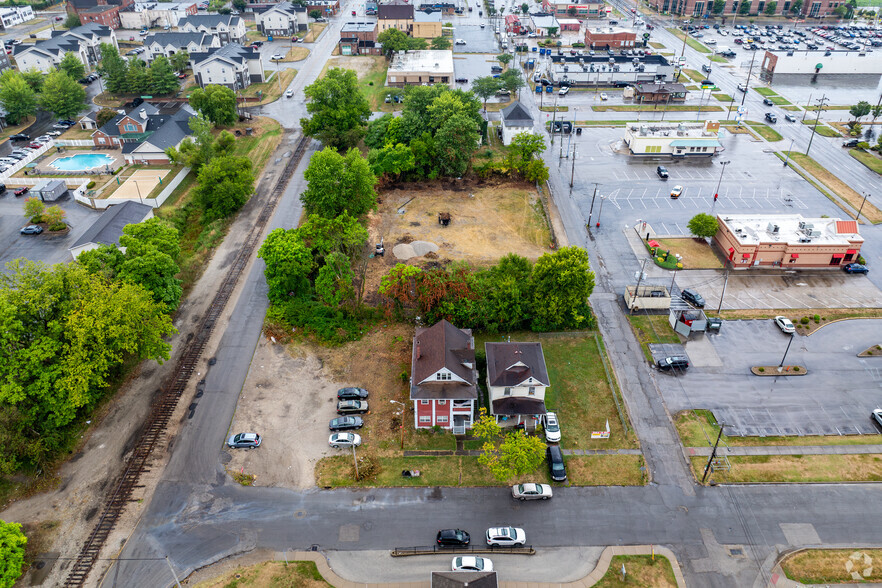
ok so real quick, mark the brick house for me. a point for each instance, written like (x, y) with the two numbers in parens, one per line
(359, 38)
(443, 377)
(517, 379)
(610, 38)
(144, 134)
(513, 24)
(103, 15)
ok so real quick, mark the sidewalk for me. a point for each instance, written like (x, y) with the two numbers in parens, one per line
(789, 450)
(476, 453)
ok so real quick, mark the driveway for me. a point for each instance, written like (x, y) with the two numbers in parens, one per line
(834, 398)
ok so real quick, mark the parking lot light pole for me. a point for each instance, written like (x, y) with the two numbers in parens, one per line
(858, 216)
(781, 365)
(719, 183)
(602, 198)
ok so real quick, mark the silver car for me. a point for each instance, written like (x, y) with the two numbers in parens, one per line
(344, 440)
(531, 491)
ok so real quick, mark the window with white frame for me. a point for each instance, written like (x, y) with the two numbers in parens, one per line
(441, 419)
(424, 402)
(532, 391)
(425, 419)
(442, 376)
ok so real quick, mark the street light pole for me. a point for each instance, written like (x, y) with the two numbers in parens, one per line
(781, 365)
(713, 453)
(821, 104)
(602, 198)
(747, 84)
(858, 217)
(591, 210)
(717, 191)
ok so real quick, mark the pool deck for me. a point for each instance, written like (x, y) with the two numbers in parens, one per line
(44, 165)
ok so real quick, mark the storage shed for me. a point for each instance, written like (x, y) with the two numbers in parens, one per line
(49, 190)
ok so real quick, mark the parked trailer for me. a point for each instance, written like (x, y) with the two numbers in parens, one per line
(653, 297)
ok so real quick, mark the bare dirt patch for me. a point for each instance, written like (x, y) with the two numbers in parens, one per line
(297, 574)
(487, 222)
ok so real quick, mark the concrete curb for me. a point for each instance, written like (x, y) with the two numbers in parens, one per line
(600, 570)
(848, 318)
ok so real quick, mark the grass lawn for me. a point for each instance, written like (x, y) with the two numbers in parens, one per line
(722, 97)
(696, 254)
(270, 90)
(765, 131)
(828, 566)
(315, 29)
(840, 188)
(693, 74)
(14, 130)
(302, 574)
(640, 570)
(698, 428)
(656, 45)
(296, 53)
(833, 107)
(552, 108)
(823, 129)
(868, 159)
(719, 59)
(761, 469)
(792, 108)
(650, 107)
(652, 328)
(605, 470)
(266, 134)
(767, 92)
(689, 40)
(779, 101)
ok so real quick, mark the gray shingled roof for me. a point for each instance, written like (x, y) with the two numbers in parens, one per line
(516, 115)
(209, 20)
(176, 40)
(462, 579)
(109, 226)
(511, 364)
(232, 51)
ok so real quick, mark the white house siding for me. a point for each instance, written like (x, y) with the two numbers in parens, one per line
(217, 72)
(508, 133)
(34, 60)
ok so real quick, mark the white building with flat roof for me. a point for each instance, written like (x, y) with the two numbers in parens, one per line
(420, 68)
(674, 139)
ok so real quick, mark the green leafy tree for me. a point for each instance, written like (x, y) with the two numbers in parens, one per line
(54, 217)
(504, 58)
(393, 40)
(224, 185)
(770, 9)
(376, 131)
(34, 79)
(203, 147)
(333, 285)
(104, 260)
(719, 6)
(562, 282)
(391, 160)
(137, 77)
(518, 454)
(114, 68)
(17, 97)
(415, 43)
(536, 172)
(796, 7)
(876, 112)
(240, 5)
(703, 225)
(154, 233)
(552, 31)
(12, 553)
(744, 7)
(162, 77)
(288, 264)
(338, 110)
(440, 43)
(216, 103)
(62, 96)
(314, 14)
(180, 60)
(155, 271)
(72, 21)
(485, 427)
(72, 66)
(524, 148)
(340, 234)
(455, 142)
(525, 8)
(860, 110)
(571, 11)
(512, 80)
(338, 183)
(34, 209)
(486, 87)
(104, 116)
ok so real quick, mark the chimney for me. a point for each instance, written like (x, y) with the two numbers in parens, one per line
(419, 355)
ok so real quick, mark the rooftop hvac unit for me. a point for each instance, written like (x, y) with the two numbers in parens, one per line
(805, 240)
(805, 225)
(644, 129)
(773, 228)
(566, 68)
(814, 233)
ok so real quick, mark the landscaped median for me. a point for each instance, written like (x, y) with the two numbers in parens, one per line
(833, 566)
(689, 40)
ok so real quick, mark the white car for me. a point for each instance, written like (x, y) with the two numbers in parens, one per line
(459, 42)
(471, 563)
(785, 325)
(531, 491)
(532, 35)
(603, 96)
(277, 57)
(710, 42)
(54, 133)
(742, 88)
(289, 94)
(552, 428)
(877, 416)
(564, 91)
(344, 440)
(505, 536)
(675, 193)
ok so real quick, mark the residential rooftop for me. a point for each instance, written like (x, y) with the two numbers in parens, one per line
(794, 229)
(427, 60)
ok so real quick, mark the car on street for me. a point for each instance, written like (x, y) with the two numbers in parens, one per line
(662, 172)
(19, 137)
(31, 230)
(851, 143)
(277, 57)
(182, 76)
(710, 42)
(352, 393)
(784, 324)
(706, 68)
(345, 423)
(877, 416)
(53, 133)
(471, 563)
(563, 91)
(768, 102)
(352, 406)
(554, 456)
(344, 440)
(771, 117)
(789, 118)
(603, 96)
(675, 362)
(459, 42)
(452, 538)
(244, 441)
(676, 191)
(531, 491)
(21, 191)
(289, 94)
(505, 536)
(855, 268)
(692, 297)
(552, 428)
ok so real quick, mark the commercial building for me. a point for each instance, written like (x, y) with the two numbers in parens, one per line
(15, 15)
(420, 68)
(572, 25)
(823, 63)
(701, 8)
(686, 140)
(651, 93)
(395, 14)
(610, 38)
(155, 14)
(563, 8)
(359, 38)
(326, 7)
(426, 24)
(283, 19)
(603, 70)
(787, 240)
(542, 24)
(102, 14)
(78, 7)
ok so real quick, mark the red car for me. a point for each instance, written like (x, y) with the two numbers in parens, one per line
(181, 76)
(20, 191)
(353, 13)
(34, 145)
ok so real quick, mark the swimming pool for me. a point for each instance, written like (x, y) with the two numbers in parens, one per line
(82, 162)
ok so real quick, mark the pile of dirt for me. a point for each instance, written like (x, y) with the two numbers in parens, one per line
(413, 249)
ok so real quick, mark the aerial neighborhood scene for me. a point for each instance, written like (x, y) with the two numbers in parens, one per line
(339, 293)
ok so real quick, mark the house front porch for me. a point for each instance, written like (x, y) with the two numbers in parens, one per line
(517, 411)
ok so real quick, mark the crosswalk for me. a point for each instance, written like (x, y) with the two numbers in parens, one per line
(731, 198)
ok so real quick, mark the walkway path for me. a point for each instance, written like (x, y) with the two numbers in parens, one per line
(790, 450)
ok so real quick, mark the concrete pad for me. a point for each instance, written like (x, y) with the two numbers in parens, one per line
(799, 534)
(701, 352)
(403, 251)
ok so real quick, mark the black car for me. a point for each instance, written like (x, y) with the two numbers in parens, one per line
(855, 268)
(676, 362)
(768, 102)
(19, 137)
(453, 538)
(662, 172)
(692, 297)
(771, 117)
(345, 423)
(554, 455)
(352, 406)
(351, 394)
(851, 143)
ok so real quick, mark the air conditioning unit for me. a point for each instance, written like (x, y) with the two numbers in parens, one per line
(805, 240)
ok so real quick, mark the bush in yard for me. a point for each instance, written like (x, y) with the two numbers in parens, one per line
(817, 318)
(54, 217)
(90, 185)
(12, 551)
(703, 225)
(368, 468)
(863, 145)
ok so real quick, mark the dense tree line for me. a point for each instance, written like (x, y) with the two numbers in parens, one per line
(133, 76)
(57, 92)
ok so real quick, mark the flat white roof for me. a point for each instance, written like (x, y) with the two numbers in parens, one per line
(793, 229)
(671, 130)
(428, 60)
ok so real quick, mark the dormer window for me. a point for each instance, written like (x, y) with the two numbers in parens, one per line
(442, 376)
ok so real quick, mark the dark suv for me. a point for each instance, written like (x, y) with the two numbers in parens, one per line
(676, 362)
(662, 172)
(556, 467)
(453, 538)
(771, 117)
(692, 297)
(352, 394)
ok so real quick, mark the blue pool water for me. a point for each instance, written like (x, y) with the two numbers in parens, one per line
(82, 161)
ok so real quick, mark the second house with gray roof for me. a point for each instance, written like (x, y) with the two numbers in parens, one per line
(83, 42)
(226, 27)
(233, 66)
(170, 43)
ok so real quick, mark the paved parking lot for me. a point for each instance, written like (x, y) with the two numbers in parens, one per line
(477, 40)
(834, 398)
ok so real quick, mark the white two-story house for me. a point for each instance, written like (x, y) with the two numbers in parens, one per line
(226, 27)
(170, 43)
(517, 379)
(443, 378)
(83, 42)
(282, 19)
(233, 66)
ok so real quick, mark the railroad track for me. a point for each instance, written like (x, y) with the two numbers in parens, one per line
(162, 410)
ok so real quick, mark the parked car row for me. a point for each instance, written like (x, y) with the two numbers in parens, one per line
(495, 537)
(350, 401)
(88, 79)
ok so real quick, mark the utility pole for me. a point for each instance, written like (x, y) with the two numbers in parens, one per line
(808, 105)
(725, 283)
(717, 191)
(637, 287)
(858, 217)
(573, 170)
(789, 151)
(553, 119)
(591, 210)
(713, 453)
(174, 575)
(821, 104)
(602, 198)
(355, 459)
(747, 84)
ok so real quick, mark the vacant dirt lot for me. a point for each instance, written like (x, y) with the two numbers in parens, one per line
(290, 395)
(486, 222)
